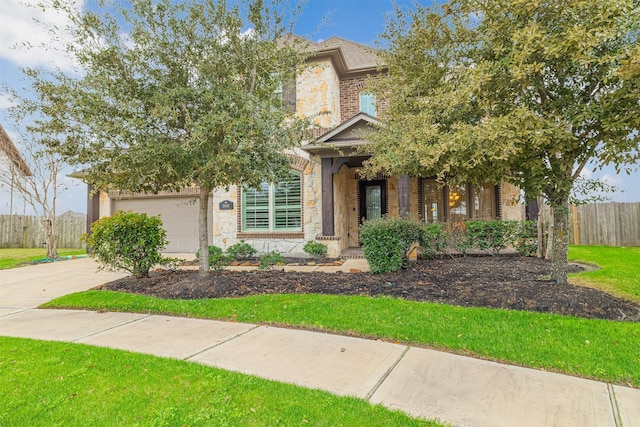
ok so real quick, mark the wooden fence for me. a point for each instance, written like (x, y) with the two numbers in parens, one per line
(606, 224)
(19, 231)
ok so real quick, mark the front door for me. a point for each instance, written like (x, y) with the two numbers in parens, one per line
(373, 199)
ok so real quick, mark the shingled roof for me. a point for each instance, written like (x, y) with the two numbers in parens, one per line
(357, 56)
(9, 149)
(349, 57)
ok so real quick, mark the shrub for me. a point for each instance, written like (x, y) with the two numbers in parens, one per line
(458, 237)
(492, 235)
(385, 242)
(434, 239)
(315, 249)
(241, 250)
(129, 241)
(217, 258)
(269, 260)
(526, 238)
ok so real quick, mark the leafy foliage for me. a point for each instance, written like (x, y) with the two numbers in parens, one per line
(187, 97)
(510, 90)
(241, 250)
(129, 241)
(315, 249)
(269, 260)
(217, 258)
(385, 242)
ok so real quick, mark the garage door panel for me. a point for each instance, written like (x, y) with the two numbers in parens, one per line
(179, 217)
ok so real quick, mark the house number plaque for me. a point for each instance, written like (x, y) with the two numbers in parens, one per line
(226, 205)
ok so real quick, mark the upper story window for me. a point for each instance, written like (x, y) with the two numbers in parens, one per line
(273, 207)
(286, 92)
(368, 103)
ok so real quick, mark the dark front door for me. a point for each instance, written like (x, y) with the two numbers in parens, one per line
(373, 199)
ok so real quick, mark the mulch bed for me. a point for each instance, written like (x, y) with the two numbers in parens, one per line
(505, 281)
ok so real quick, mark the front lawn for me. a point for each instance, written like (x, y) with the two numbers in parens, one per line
(14, 257)
(49, 383)
(599, 349)
(619, 272)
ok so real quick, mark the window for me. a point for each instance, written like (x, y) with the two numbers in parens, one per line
(285, 91)
(368, 103)
(432, 201)
(273, 207)
(457, 202)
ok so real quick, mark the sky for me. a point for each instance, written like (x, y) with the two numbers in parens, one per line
(357, 20)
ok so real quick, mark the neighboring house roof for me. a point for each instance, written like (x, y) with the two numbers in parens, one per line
(344, 137)
(9, 149)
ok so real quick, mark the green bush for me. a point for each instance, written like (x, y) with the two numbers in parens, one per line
(458, 237)
(315, 249)
(269, 260)
(241, 250)
(217, 258)
(434, 239)
(526, 238)
(385, 242)
(492, 235)
(129, 241)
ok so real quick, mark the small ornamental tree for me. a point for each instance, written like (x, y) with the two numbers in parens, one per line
(129, 241)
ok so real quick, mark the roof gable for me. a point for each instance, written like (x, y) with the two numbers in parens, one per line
(347, 135)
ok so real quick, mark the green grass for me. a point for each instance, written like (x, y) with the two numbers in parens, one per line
(55, 384)
(598, 349)
(12, 258)
(619, 272)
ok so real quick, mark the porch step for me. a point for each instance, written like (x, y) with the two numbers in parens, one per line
(352, 253)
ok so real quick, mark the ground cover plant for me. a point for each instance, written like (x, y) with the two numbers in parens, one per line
(49, 383)
(15, 257)
(381, 306)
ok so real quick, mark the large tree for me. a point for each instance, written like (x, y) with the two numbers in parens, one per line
(171, 94)
(528, 92)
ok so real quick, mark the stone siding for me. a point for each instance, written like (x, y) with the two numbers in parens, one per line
(318, 94)
(512, 206)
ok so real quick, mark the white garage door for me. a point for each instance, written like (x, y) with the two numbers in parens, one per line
(179, 217)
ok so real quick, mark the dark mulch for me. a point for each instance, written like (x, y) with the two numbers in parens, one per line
(505, 281)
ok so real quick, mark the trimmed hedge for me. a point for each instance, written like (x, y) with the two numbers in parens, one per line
(386, 241)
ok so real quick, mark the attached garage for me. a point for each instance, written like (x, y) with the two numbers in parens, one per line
(179, 216)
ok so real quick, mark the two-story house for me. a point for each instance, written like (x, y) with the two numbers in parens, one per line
(324, 198)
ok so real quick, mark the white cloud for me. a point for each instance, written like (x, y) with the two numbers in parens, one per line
(5, 101)
(615, 180)
(586, 173)
(23, 21)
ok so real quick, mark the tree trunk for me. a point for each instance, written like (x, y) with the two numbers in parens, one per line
(541, 250)
(51, 237)
(560, 242)
(550, 233)
(203, 230)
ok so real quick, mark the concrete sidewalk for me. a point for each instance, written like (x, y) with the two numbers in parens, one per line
(425, 383)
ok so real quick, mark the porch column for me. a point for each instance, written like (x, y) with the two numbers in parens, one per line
(403, 195)
(327, 198)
